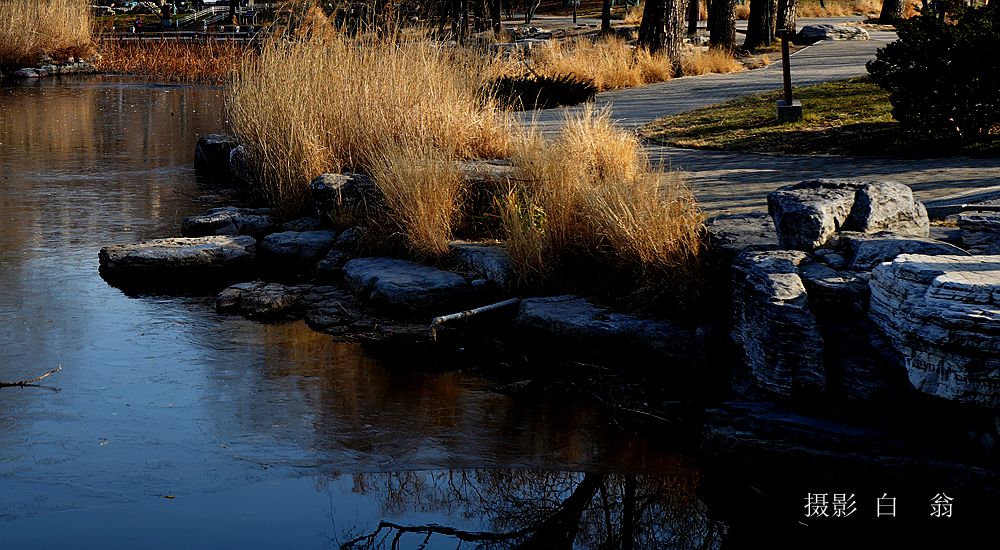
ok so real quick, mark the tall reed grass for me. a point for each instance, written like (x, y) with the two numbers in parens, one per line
(30, 29)
(305, 108)
(611, 63)
(171, 60)
(589, 198)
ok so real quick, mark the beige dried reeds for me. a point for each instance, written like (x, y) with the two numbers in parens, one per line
(590, 196)
(30, 29)
(305, 108)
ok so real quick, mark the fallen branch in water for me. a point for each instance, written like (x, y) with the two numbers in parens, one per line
(23, 383)
(438, 321)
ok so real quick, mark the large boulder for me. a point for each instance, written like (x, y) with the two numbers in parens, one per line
(730, 234)
(229, 220)
(809, 34)
(867, 251)
(295, 250)
(343, 200)
(777, 332)
(212, 153)
(808, 214)
(407, 286)
(488, 260)
(259, 299)
(580, 325)
(179, 261)
(942, 313)
(980, 231)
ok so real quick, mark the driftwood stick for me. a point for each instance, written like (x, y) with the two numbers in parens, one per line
(438, 321)
(23, 383)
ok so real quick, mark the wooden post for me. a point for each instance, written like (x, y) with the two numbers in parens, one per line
(788, 109)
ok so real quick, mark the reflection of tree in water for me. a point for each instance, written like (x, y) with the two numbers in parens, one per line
(533, 509)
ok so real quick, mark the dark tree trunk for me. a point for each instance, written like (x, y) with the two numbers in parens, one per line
(606, 17)
(456, 13)
(760, 26)
(722, 24)
(480, 11)
(892, 10)
(232, 11)
(496, 15)
(694, 13)
(786, 15)
(662, 28)
(463, 26)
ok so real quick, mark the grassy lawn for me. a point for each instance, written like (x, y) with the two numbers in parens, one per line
(847, 117)
(844, 117)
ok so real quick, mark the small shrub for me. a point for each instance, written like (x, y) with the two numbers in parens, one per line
(530, 91)
(944, 76)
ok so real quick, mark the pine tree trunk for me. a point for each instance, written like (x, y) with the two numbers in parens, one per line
(722, 24)
(496, 15)
(892, 10)
(662, 28)
(606, 17)
(760, 26)
(694, 13)
(786, 15)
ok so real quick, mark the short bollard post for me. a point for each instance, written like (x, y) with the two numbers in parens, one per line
(789, 110)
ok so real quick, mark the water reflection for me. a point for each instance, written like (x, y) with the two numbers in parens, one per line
(163, 397)
(535, 509)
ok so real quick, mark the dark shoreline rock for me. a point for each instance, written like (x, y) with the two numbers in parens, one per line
(195, 261)
(409, 287)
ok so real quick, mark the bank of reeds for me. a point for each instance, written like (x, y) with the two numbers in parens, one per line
(171, 60)
(611, 63)
(30, 29)
(371, 105)
(588, 201)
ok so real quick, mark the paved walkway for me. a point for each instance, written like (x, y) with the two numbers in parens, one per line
(734, 182)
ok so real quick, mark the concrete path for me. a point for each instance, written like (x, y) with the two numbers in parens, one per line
(734, 182)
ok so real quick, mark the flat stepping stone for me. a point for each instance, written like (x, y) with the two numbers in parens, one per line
(579, 324)
(229, 220)
(179, 260)
(295, 249)
(409, 286)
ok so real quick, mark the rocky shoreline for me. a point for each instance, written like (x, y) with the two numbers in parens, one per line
(843, 297)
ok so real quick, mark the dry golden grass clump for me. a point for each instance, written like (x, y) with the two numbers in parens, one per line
(172, 61)
(590, 198)
(709, 61)
(32, 28)
(612, 64)
(422, 190)
(394, 110)
(838, 8)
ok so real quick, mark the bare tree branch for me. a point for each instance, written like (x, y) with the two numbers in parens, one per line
(30, 382)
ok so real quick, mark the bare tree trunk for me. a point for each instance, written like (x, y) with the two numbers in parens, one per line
(479, 7)
(694, 13)
(760, 27)
(463, 26)
(606, 17)
(496, 15)
(662, 29)
(722, 21)
(892, 10)
(786, 15)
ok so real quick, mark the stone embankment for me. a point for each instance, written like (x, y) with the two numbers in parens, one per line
(842, 294)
